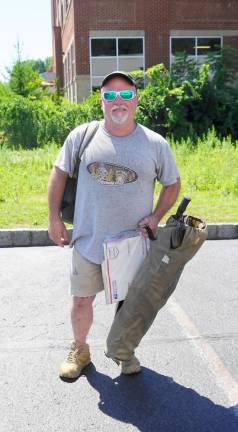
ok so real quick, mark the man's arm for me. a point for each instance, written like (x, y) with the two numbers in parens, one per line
(167, 198)
(56, 228)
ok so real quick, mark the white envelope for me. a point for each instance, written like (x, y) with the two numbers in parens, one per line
(123, 255)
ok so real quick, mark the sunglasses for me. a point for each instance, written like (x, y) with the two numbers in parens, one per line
(110, 95)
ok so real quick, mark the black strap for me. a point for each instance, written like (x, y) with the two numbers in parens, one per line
(88, 134)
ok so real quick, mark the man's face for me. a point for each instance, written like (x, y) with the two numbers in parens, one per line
(119, 111)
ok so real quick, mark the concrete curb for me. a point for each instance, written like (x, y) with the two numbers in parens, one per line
(39, 237)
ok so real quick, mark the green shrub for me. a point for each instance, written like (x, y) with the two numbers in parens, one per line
(56, 121)
(190, 99)
(18, 121)
(30, 124)
(5, 91)
(184, 102)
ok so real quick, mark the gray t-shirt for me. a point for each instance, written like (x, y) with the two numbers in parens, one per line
(115, 184)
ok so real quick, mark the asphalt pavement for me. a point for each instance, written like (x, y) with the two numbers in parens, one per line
(189, 379)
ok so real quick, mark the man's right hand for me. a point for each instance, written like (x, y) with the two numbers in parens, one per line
(57, 232)
(56, 229)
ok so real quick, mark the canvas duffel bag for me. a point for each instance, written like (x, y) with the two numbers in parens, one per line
(177, 242)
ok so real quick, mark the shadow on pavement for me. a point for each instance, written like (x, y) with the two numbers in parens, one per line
(155, 403)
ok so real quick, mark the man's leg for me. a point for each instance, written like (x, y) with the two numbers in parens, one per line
(86, 282)
(79, 355)
(81, 317)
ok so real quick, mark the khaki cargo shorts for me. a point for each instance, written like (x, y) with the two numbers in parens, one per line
(85, 276)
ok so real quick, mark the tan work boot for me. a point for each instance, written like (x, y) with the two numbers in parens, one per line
(129, 367)
(76, 360)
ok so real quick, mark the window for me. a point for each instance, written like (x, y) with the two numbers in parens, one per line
(208, 45)
(183, 45)
(61, 14)
(63, 6)
(103, 47)
(130, 46)
(69, 66)
(69, 74)
(73, 61)
(117, 53)
(64, 67)
(66, 72)
(196, 47)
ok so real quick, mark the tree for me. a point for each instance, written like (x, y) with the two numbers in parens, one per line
(40, 65)
(24, 80)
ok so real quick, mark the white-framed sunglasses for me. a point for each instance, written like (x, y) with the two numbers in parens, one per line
(111, 95)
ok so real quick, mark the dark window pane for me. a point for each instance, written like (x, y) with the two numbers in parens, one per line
(103, 47)
(208, 45)
(183, 45)
(130, 46)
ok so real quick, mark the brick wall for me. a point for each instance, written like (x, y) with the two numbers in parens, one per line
(156, 17)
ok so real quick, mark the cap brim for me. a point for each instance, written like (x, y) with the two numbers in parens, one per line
(120, 74)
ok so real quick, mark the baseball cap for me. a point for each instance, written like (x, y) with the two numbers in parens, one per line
(121, 74)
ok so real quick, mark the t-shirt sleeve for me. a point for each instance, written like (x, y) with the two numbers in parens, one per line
(67, 156)
(166, 170)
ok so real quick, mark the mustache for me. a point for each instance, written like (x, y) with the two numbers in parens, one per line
(121, 106)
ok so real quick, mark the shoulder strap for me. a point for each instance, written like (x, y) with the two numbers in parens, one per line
(88, 134)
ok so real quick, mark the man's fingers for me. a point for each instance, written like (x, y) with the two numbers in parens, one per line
(63, 238)
(143, 230)
(148, 227)
(59, 237)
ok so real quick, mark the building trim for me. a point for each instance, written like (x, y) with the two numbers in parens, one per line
(115, 33)
(200, 33)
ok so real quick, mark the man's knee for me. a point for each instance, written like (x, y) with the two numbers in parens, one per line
(81, 302)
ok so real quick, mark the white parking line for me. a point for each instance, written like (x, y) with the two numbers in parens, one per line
(223, 377)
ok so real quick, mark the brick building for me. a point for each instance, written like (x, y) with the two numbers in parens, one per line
(94, 37)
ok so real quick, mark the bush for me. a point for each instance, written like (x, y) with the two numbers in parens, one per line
(18, 121)
(56, 121)
(184, 102)
(172, 109)
(5, 91)
(190, 99)
(30, 124)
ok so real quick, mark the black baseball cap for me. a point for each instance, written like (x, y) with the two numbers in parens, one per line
(121, 74)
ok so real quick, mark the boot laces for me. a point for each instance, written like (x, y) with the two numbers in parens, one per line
(73, 356)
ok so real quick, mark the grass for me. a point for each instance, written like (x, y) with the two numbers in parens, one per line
(209, 173)
(23, 191)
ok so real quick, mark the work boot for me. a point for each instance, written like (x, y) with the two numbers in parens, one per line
(129, 367)
(76, 360)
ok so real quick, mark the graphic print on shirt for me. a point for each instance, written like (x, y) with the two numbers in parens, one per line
(111, 174)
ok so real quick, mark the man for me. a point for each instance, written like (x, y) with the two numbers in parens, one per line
(115, 191)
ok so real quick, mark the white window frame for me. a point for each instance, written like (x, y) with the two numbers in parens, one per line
(73, 68)
(66, 71)
(62, 14)
(196, 57)
(117, 56)
(69, 66)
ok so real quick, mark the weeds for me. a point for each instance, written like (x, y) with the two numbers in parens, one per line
(208, 168)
